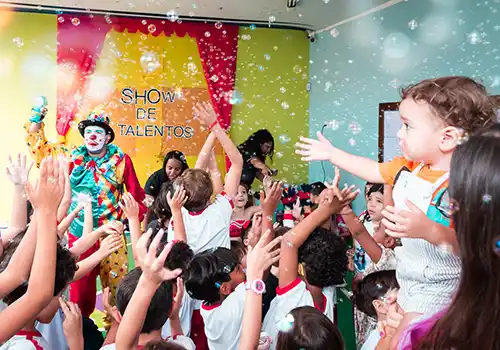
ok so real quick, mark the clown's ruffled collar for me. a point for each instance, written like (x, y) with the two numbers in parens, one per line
(83, 155)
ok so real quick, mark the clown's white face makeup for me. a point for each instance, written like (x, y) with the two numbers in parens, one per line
(95, 139)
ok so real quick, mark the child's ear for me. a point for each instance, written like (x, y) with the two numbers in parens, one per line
(379, 306)
(117, 316)
(451, 137)
(225, 288)
(246, 242)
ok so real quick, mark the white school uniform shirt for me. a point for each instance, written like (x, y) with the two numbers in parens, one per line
(290, 297)
(223, 321)
(181, 340)
(185, 312)
(53, 332)
(209, 228)
(26, 340)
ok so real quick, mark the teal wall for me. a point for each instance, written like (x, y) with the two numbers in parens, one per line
(366, 61)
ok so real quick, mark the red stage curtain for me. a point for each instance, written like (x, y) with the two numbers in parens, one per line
(80, 39)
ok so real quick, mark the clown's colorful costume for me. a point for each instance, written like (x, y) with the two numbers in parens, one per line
(104, 179)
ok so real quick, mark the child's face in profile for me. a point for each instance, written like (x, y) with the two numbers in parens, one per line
(421, 131)
(237, 276)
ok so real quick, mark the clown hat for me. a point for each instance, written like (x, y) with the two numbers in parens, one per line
(97, 119)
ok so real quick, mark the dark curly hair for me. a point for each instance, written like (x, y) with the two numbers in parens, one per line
(65, 271)
(160, 306)
(160, 204)
(458, 101)
(161, 344)
(205, 270)
(324, 256)
(180, 255)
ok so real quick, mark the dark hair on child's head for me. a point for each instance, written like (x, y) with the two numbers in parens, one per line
(458, 101)
(252, 145)
(160, 204)
(239, 249)
(180, 254)
(65, 271)
(324, 257)
(161, 344)
(206, 270)
(317, 188)
(159, 308)
(374, 286)
(198, 186)
(310, 330)
(280, 231)
(375, 188)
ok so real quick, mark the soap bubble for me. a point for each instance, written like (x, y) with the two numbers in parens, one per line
(474, 38)
(355, 127)
(272, 19)
(150, 61)
(486, 198)
(334, 32)
(144, 22)
(18, 42)
(396, 45)
(235, 98)
(60, 19)
(275, 48)
(151, 28)
(267, 57)
(284, 138)
(413, 24)
(172, 16)
(214, 78)
(352, 142)
(285, 105)
(207, 34)
(279, 155)
(333, 124)
(75, 21)
(253, 26)
(192, 68)
(297, 69)
(218, 25)
(246, 37)
(282, 90)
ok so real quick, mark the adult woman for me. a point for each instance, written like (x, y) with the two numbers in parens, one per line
(174, 165)
(255, 149)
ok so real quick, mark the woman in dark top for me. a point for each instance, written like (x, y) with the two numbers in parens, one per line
(174, 165)
(254, 151)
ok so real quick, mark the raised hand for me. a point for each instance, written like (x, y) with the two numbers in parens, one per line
(177, 299)
(177, 201)
(129, 206)
(17, 171)
(205, 112)
(311, 149)
(48, 193)
(109, 245)
(153, 267)
(262, 256)
(297, 209)
(72, 324)
(272, 197)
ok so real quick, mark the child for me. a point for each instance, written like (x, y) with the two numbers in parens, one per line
(217, 278)
(370, 299)
(255, 149)
(437, 115)
(161, 306)
(147, 297)
(28, 336)
(242, 212)
(312, 261)
(335, 223)
(371, 220)
(469, 322)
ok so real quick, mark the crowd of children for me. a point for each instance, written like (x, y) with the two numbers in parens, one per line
(213, 270)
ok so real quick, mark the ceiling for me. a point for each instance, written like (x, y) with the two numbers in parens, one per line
(309, 14)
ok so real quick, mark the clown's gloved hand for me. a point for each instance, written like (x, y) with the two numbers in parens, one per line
(39, 111)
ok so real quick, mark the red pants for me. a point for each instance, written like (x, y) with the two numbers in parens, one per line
(83, 291)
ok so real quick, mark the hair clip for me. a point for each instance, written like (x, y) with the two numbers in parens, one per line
(286, 324)
(217, 285)
(226, 269)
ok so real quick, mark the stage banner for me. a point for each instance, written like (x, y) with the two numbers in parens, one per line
(147, 75)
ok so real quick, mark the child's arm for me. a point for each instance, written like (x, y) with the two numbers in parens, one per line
(293, 239)
(153, 275)
(175, 322)
(108, 245)
(85, 242)
(269, 205)
(176, 202)
(72, 325)
(45, 199)
(259, 259)
(360, 234)
(66, 221)
(215, 174)
(207, 113)
(66, 201)
(131, 209)
(322, 149)
(204, 156)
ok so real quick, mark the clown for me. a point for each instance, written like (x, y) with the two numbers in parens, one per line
(100, 170)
